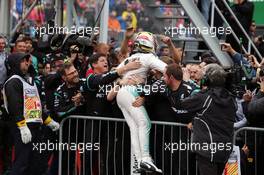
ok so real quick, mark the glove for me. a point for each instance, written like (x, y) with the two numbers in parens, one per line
(25, 134)
(54, 126)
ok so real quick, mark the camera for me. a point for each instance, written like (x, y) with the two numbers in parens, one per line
(62, 43)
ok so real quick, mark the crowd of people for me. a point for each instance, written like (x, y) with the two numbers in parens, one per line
(41, 89)
(70, 84)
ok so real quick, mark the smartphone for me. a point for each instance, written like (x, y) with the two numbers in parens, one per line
(222, 46)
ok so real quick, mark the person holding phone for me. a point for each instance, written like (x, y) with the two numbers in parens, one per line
(256, 105)
(255, 111)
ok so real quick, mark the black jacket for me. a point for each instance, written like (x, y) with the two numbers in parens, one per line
(63, 104)
(51, 82)
(159, 90)
(14, 87)
(96, 94)
(215, 111)
(256, 110)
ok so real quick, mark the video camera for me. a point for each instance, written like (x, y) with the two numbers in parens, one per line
(61, 43)
(237, 82)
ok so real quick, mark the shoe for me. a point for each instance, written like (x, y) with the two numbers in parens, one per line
(147, 165)
(138, 171)
(136, 166)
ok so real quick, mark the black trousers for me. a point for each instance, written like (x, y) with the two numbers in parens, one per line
(207, 167)
(28, 160)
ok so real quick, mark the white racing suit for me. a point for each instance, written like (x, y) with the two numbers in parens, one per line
(137, 117)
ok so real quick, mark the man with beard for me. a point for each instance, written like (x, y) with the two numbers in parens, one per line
(69, 100)
(97, 91)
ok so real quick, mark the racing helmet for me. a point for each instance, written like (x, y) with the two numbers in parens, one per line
(145, 42)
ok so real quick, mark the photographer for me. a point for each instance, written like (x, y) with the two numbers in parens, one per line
(255, 111)
(256, 105)
(215, 110)
(248, 64)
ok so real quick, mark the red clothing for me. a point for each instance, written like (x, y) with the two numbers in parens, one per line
(89, 71)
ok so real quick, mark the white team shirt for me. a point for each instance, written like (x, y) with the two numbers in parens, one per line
(148, 61)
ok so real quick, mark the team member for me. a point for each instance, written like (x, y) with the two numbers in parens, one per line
(99, 80)
(68, 100)
(68, 97)
(137, 118)
(23, 104)
(97, 104)
(172, 88)
(52, 81)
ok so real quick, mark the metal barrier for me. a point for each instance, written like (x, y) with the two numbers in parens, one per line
(254, 139)
(99, 145)
(251, 43)
(108, 150)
